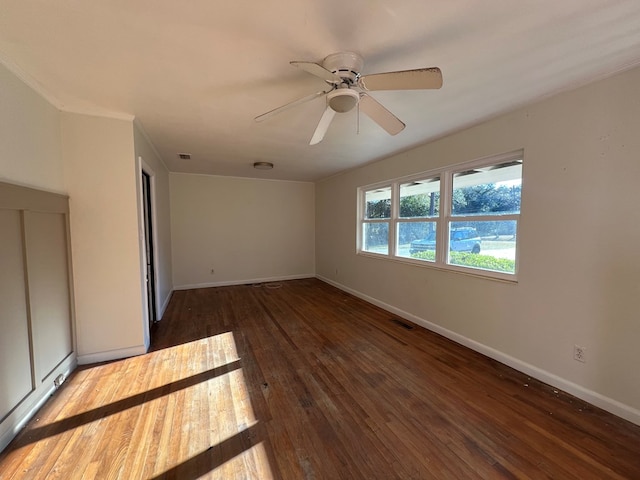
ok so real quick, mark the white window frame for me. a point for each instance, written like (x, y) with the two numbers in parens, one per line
(362, 212)
(437, 219)
(442, 221)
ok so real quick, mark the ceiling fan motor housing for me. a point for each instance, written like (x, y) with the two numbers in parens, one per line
(347, 65)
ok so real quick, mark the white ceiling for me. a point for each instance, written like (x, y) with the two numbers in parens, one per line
(195, 74)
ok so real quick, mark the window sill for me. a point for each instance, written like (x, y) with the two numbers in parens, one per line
(470, 272)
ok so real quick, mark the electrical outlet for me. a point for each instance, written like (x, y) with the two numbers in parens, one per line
(59, 380)
(580, 353)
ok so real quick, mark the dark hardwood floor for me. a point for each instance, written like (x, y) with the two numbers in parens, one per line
(299, 380)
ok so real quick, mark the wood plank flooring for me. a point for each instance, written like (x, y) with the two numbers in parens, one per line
(299, 380)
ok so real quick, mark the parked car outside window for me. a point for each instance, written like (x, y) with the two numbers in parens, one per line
(462, 239)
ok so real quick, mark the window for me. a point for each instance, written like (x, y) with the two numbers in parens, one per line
(460, 218)
(485, 206)
(377, 216)
(418, 215)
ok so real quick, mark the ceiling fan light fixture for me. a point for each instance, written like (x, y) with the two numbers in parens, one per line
(342, 100)
(263, 165)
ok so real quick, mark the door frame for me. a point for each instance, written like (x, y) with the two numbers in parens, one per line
(143, 167)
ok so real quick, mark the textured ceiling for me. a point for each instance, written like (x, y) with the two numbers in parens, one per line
(195, 74)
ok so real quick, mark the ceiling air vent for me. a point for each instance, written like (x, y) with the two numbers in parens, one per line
(184, 156)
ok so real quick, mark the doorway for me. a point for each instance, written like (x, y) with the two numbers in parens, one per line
(150, 276)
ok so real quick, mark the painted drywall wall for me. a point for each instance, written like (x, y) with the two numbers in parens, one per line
(30, 150)
(39, 344)
(579, 234)
(244, 229)
(162, 215)
(100, 176)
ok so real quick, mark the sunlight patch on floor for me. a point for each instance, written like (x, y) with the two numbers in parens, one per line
(251, 464)
(182, 412)
(218, 431)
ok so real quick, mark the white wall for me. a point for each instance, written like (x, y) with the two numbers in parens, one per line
(93, 160)
(245, 229)
(579, 273)
(30, 151)
(37, 343)
(100, 176)
(162, 216)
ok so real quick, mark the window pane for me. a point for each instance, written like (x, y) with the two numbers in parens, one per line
(420, 198)
(378, 203)
(493, 190)
(484, 245)
(417, 240)
(375, 237)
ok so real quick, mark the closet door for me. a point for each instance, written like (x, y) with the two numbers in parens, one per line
(46, 247)
(16, 375)
(37, 349)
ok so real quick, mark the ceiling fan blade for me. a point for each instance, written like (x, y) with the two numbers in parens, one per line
(318, 70)
(323, 126)
(380, 115)
(421, 78)
(289, 105)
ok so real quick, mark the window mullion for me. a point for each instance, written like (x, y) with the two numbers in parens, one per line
(483, 218)
(446, 186)
(393, 221)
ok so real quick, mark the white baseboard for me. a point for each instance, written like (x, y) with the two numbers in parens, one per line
(610, 405)
(164, 306)
(243, 282)
(111, 355)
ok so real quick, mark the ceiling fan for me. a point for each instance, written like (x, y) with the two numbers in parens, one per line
(348, 88)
